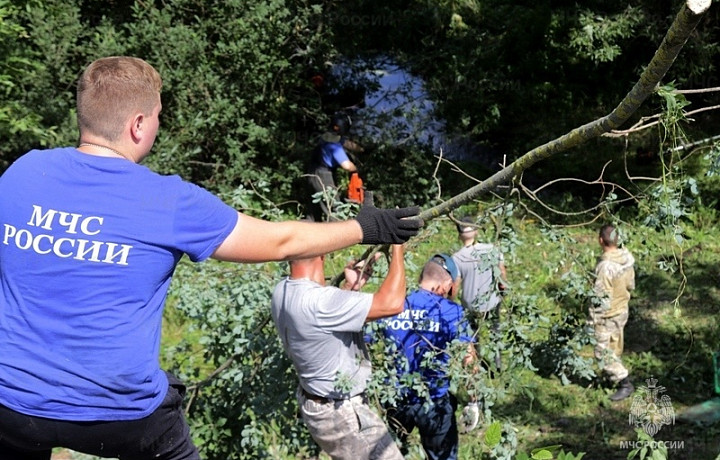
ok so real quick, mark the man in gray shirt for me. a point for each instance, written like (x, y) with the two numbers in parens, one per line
(482, 270)
(482, 277)
(321, 330)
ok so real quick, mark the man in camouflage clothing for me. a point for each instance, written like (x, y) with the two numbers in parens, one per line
(615, 278)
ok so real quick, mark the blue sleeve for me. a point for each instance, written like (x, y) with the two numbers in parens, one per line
(202, 222)
(338, 154)
(463, 331)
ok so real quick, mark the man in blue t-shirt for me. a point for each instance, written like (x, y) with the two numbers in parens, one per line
(422, 333)
(330, 155)
(90, 240)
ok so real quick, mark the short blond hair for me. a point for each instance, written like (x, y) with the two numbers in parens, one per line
(111, 89)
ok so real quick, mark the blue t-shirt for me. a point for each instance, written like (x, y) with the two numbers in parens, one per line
(88, 250)
(333, 154)
(423, 331)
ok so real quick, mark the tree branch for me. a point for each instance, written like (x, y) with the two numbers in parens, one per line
(683, 25)
(675, 38)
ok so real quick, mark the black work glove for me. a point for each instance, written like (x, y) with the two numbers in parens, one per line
(387, 226)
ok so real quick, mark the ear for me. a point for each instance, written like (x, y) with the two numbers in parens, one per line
(443, 288)
(454, 287)
(136, 127)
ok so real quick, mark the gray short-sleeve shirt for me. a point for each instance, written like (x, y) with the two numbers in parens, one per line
(476, 264)
(321, 330)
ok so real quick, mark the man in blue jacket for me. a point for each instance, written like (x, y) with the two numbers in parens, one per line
(422, 333)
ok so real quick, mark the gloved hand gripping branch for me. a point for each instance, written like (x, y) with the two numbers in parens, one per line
(388, 226)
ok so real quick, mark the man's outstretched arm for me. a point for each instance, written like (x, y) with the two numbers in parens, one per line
(257, 240)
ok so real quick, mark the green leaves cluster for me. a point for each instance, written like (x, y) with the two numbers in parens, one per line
(241, 400)
(598, 36)
(649, 449)
(18, 121)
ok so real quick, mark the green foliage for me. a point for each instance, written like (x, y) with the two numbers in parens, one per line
(560, 353)
(493, 434)
(474, 57)
(409, 164)
(340, 209)
(240, 117)
(233, 414)
(672, 115)
(20, 123)
(241, 400)
(230, 353)
(232, 87)
(713, 156)
(570, 456)
(649, 448)
(598, 36)
(239, 107)
(506, 448)
(234, 81)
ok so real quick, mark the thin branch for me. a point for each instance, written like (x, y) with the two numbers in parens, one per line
(695, 144)
(623, 133)
(599, 181)
(637, 127)
(702, 109)
(434, 174)
(696, 91)
(635, 178)
(194, 389)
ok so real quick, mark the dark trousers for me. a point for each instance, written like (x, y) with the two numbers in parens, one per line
(437, 426)
(163, 435)
(320, 179)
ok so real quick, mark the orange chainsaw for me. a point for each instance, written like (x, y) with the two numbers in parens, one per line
(356, 192)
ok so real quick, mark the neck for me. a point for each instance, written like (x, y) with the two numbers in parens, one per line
(308, 269)
(105, 148)
(312, 278)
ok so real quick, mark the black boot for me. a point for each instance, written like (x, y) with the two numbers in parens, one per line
(625, 389)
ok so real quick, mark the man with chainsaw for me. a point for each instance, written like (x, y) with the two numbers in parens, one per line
(331, 154)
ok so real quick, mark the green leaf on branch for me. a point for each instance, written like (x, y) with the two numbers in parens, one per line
(493, 434)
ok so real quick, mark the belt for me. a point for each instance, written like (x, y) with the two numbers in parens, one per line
(316, 398)
(323, 400)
